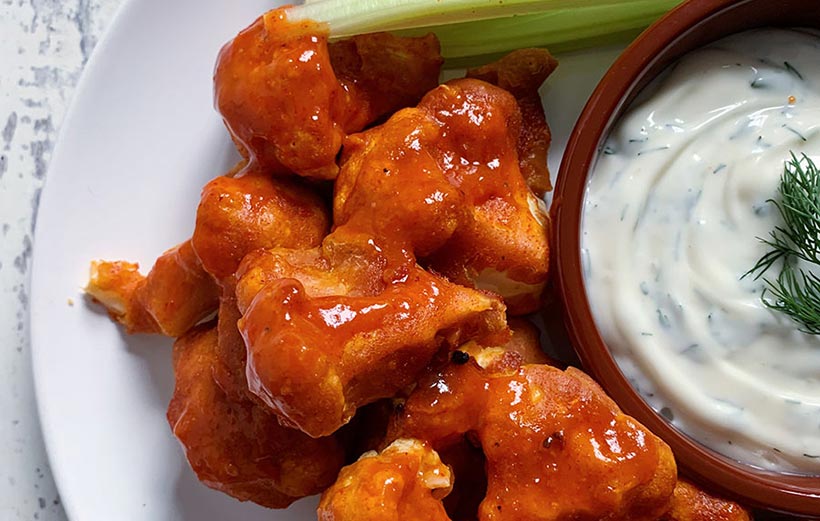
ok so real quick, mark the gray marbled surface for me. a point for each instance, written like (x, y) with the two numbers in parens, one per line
(44, 45)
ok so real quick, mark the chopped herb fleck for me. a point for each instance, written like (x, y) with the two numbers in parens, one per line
(649, 150)
(793, 131)
(663, 319)
(791, 69)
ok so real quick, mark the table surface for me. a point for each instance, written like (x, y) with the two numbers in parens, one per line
(44, 45)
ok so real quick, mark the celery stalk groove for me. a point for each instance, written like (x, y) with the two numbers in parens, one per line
(469, 28)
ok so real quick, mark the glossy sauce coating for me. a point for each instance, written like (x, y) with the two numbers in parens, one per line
(392, 187)
(310, 330)
(356, 267)
(521, 73)
(523, 440)
(175, 295)
(689, 503)
(557, 447)
(315, 359)
(284, 105)
(502, 244)
(403, 191)
(402, 483)
(443, 180)
(236, 446)
(277, 93)
(465, 456)
(253, 210)
(382, 73)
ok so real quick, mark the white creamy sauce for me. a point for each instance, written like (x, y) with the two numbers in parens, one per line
(672, 214)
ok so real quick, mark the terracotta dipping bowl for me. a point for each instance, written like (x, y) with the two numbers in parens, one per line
(690, 26)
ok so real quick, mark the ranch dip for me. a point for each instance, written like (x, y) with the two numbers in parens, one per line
(673, 212)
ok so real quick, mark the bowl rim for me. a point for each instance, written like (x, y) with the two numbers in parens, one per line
(795, 494)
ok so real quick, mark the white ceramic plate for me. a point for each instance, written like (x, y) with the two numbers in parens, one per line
(139, 142)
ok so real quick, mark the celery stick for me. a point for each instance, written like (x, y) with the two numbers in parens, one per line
(560, 30)
(471, 28)
(349, 17)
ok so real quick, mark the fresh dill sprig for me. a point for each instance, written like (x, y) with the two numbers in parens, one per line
(795, 291)
(797, 294)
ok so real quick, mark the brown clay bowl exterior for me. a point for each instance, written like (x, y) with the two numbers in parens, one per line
(691, 25)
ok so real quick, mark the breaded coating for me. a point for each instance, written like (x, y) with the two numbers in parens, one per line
(382, 73)
(444, 179)
(240, 214)
(502, 245)
(237, 214)
(278, 96)
(693, 504)
(522, 73)
(405, 482)
(327, 337)
(353, 269)
(236, 446)
(175, 295)
(523, 347)
(523, 441)
(557, 447)
(231, 355)
(391, 185)
(284, 105)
